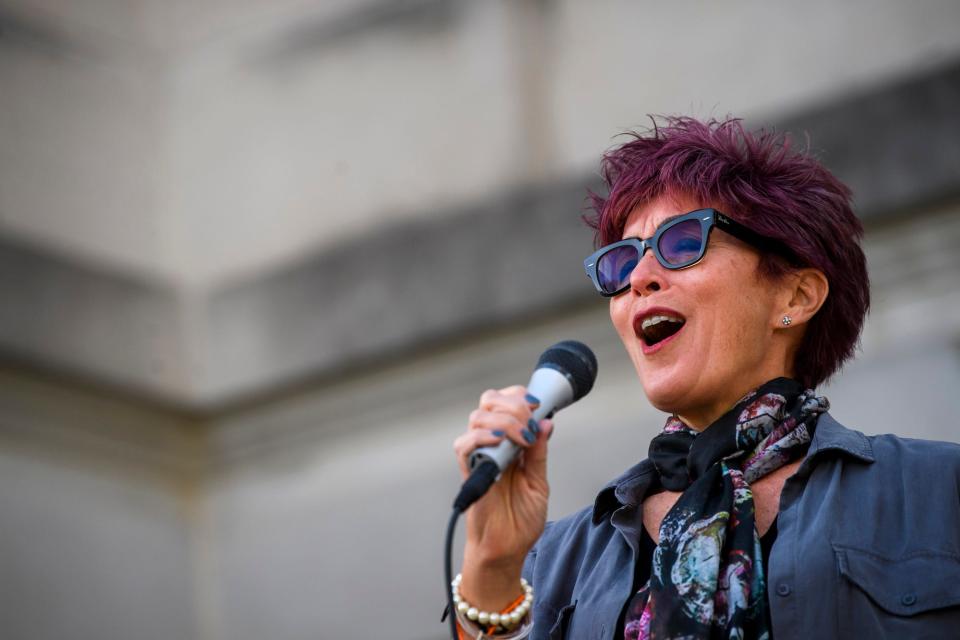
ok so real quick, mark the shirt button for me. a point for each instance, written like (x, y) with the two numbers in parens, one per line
(908, 599)
(783, 589)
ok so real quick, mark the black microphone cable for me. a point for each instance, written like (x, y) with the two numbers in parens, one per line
(479, 482)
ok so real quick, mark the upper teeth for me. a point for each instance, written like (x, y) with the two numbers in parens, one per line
(652, 320)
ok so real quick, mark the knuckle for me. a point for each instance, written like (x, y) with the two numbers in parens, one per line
(521, 408)
(509, 423)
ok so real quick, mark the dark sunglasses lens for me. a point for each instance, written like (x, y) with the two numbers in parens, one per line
(615, 266)
(682, 243)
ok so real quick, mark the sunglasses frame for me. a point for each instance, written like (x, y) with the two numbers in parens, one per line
(709, 218)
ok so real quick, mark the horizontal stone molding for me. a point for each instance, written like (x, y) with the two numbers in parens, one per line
(402, 288)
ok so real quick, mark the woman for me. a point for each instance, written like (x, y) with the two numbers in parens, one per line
(737, 284)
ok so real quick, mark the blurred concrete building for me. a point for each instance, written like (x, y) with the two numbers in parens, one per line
(258, 259)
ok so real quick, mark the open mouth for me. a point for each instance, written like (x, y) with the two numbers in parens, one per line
(658, 328)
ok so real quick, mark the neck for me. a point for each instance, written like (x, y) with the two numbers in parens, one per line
(699, 418)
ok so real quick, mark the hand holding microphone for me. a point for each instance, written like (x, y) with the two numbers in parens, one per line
(504, 525)
(564, 374)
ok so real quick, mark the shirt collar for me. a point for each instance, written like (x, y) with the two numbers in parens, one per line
(629, 488)
(632, 485)
(830, 435)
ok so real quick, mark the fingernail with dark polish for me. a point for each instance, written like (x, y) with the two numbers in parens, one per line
(498, 433)
(533, 426)
(528, 436)
(532, 399)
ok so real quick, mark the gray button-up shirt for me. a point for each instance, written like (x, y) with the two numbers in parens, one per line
(868, 545)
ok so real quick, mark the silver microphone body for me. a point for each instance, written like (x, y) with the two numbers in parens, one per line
(554, 391)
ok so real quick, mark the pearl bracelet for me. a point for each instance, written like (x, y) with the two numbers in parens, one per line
(505, 621)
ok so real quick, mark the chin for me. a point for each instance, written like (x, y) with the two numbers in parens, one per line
(666, 390)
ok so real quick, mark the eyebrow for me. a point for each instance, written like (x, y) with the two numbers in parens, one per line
(662, 222)
(673, 217)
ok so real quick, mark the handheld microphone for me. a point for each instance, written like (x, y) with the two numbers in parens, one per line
(564, 374)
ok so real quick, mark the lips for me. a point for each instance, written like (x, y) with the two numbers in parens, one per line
(657, 326)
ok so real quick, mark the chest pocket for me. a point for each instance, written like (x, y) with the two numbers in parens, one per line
(916, 595)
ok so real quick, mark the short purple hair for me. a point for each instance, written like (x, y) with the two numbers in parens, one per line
(761, 181)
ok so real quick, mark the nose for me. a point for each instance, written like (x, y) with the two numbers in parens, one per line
(647, 276)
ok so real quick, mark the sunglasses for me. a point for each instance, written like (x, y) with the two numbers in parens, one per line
(678, 243)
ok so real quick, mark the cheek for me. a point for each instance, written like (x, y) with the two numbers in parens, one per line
(743, 322)
(732, 316)
(620, 316)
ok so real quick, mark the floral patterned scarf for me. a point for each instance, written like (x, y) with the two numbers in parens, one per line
(707, 576)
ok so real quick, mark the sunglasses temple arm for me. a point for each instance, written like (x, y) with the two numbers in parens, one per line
(751, 237)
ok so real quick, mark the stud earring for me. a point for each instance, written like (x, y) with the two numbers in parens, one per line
(787, 321)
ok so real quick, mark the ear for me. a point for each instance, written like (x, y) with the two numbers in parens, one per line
(805, 291)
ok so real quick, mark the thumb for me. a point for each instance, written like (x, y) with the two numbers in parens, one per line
(535, 458)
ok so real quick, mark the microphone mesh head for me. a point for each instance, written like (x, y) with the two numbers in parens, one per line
(576, 361)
